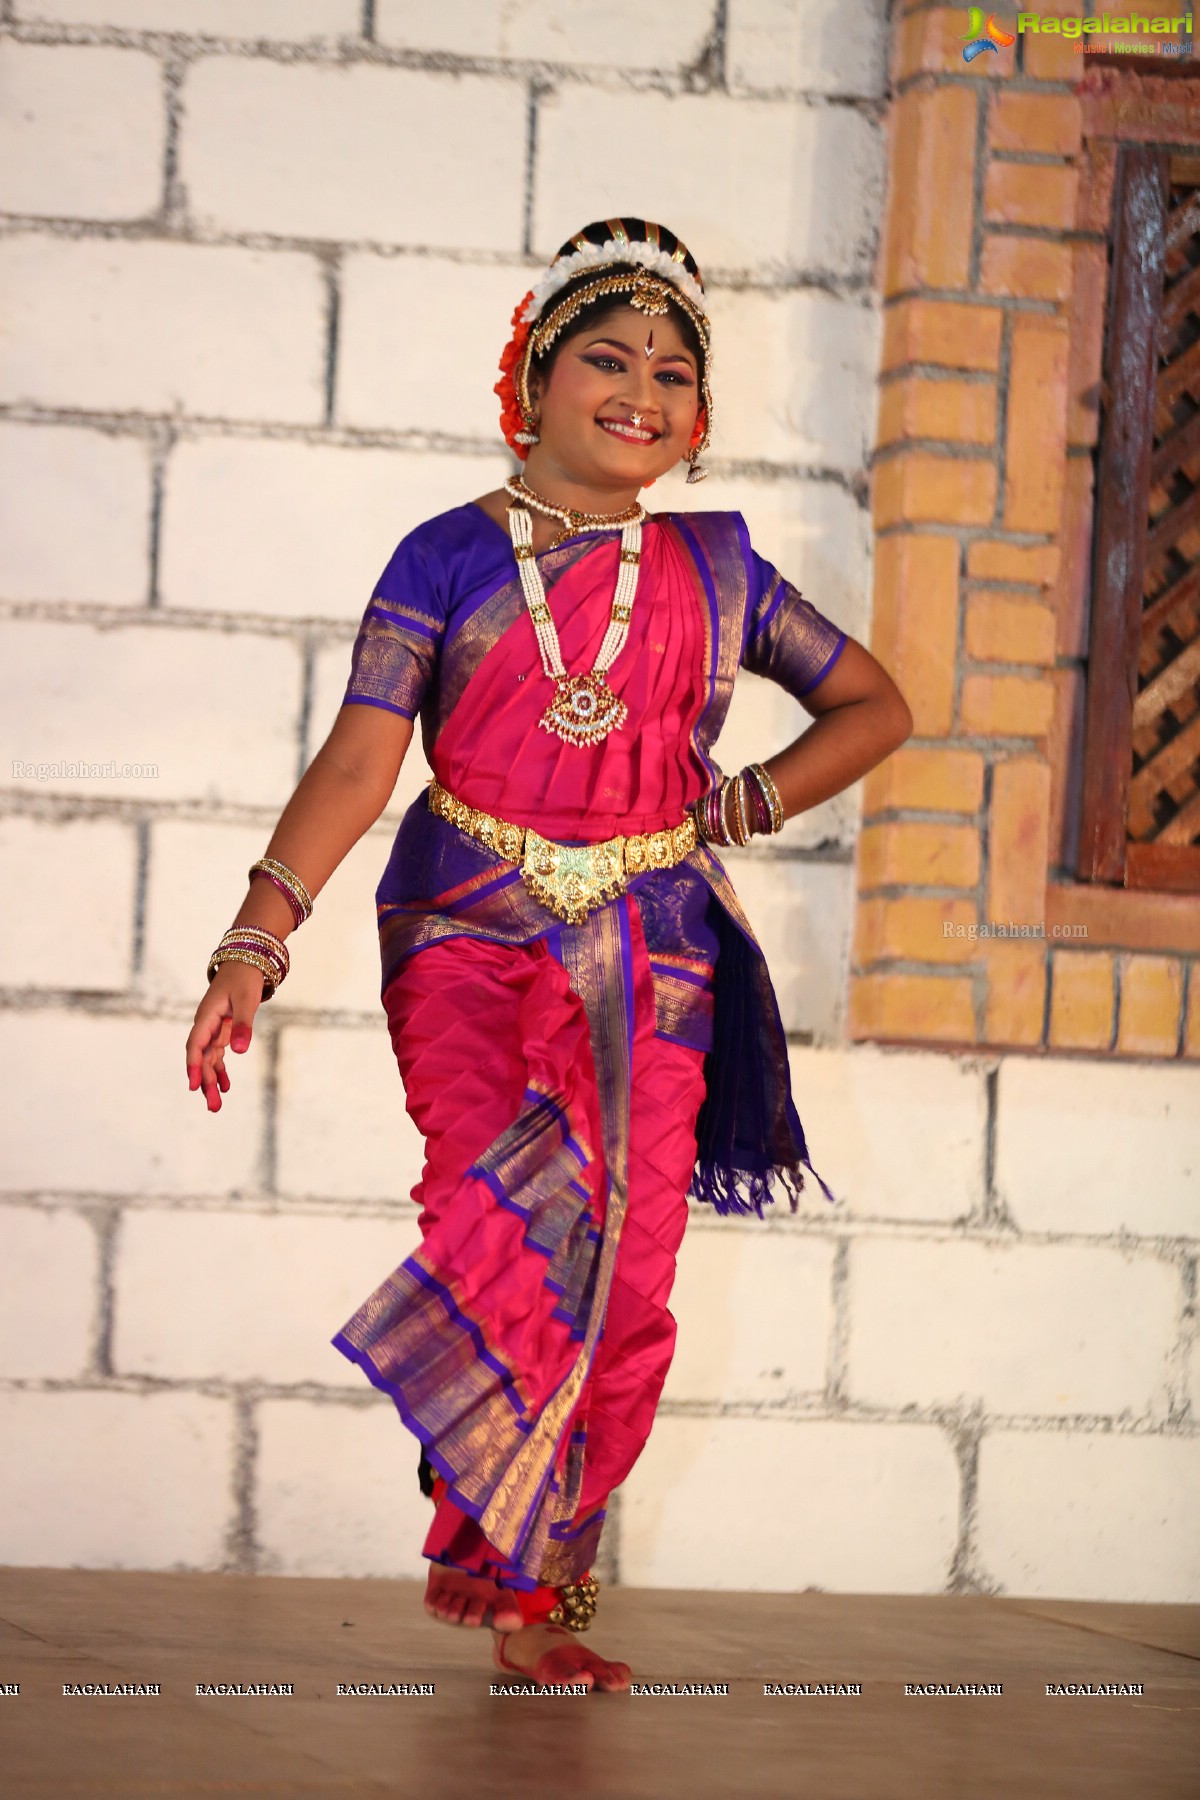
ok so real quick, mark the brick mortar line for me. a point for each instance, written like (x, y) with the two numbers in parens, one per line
(980, 300)
(834, 283)
(55, 808)
(935, 372)
(795, 1410)
(1179, 1405)
(965, 1575)
(342, 51)
(198, 428)
(141, 897)
(837, 1352)
(162, 441)
(977, 534)
(931, 80)
(1176, 1251)
(242, 1551)
(529, 178)
(971, 966)
(106, 1223)
(978, 177)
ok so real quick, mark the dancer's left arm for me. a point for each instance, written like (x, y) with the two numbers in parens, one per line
(861, 718)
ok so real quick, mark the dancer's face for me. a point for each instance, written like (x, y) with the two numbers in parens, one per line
(625, 362)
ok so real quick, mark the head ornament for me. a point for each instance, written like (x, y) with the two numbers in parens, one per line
(623, 258)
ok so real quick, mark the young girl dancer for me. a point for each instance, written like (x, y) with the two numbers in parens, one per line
(583, 1020)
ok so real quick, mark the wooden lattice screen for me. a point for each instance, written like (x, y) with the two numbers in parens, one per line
(1140, 823)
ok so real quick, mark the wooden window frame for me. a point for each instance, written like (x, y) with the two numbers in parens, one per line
(1126, 473)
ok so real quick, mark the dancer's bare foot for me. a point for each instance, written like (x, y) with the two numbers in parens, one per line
(459, 1599)
(552, 1653)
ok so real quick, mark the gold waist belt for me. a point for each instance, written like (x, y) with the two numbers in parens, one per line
(571, 879)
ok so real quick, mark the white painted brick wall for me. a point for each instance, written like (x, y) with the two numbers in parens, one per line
(1046, 1329)
(795, 380)
(1094, 1515)
(343, 1127)
(899, 1135)
(71, 926)
(1116, 1149)
(852, 1507)
(192, 705)
(688, 157)
(74, 515)
(798, 912)
(288, 20)
(125, 326)
(197, 874)
(47, 1293)
(384, 155)
(386, 375)
(82, 131)
(336, 1489)
(104, 1108)
(106, 1480)
(203, 1294)
(822, 47)
(579, 33)
(258, 273)
(754, 1310)
(299, 530)
(813, 531)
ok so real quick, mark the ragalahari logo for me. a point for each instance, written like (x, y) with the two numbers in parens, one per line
(984, 37)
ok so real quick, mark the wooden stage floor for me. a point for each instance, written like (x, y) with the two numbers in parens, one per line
(74, 1627)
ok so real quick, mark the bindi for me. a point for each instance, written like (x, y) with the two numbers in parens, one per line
(649, 345)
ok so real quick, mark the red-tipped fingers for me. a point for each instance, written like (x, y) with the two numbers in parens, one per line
(239, 1037)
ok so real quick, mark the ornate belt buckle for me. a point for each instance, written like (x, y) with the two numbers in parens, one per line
(572, 879)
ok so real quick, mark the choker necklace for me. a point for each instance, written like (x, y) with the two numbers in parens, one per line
(572, 521)
(584, 708)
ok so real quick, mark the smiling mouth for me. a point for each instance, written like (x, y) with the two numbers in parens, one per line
(631, 434)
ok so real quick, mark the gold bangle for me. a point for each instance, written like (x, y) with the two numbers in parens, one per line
(253, 961)
(258, 935)
(727, 837)
(281, 876)
(741, 828)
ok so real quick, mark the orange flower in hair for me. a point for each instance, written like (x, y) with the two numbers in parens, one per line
(511, 418)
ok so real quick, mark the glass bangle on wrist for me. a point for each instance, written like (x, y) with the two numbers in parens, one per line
(756, 808)
(288, 883)
(258, 949)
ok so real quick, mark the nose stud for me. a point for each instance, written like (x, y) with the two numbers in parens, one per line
(637, 420)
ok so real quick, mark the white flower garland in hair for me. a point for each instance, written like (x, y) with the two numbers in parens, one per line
(596, 256)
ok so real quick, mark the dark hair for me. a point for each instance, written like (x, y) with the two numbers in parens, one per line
(638, 231)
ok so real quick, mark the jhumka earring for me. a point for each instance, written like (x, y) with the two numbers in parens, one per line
(528, 433)
(696, 469)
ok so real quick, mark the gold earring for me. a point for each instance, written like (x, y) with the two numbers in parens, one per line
(528, 435)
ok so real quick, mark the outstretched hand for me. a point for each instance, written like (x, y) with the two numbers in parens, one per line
(224, 1020)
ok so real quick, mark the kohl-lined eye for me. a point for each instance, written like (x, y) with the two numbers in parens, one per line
(599, 362)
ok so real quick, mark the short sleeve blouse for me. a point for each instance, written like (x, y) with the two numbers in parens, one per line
(787, 639)
(399, 639)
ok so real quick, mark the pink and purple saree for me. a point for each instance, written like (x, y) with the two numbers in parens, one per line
(574, 1083)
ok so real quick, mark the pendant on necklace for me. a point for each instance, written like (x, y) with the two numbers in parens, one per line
(584, 709)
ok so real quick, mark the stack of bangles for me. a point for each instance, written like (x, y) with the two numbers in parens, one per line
(254, 945)
(757, 808)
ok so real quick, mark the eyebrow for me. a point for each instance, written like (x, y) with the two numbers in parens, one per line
(677, 356)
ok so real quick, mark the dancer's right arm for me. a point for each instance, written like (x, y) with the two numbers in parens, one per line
(339, 797)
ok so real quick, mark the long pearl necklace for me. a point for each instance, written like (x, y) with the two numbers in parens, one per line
(584, 709)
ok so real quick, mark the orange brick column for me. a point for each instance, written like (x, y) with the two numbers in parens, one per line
(992, 273)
